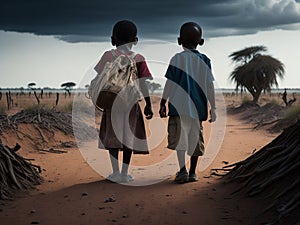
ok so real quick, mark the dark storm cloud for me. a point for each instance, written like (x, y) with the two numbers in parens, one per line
(92, 20)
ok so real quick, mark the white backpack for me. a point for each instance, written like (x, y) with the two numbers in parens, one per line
(118, 78)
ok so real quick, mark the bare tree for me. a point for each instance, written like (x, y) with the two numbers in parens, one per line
(31, 87)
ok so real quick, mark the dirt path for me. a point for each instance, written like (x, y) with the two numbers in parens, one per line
(75, 194)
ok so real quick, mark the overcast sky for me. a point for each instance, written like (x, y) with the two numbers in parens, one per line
(63, 38)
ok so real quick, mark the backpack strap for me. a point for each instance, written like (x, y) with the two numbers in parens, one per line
(113, 52)
(115, 55)
(132, 56)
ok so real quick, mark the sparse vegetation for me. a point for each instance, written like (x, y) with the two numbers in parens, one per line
(246, 99)
(67, 107)
(2, 110)
(292, 113)
(78, 104)
(270, 114)
(35, 107)
(274, 101)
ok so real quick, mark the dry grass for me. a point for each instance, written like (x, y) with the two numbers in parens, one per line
(2, 110)
(26, 101)
(65, 104)
(292, 113)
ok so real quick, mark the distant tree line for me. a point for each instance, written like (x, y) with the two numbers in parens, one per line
(37, 92)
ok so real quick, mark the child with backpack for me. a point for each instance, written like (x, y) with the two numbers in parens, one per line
(121, 128)
(189, 85)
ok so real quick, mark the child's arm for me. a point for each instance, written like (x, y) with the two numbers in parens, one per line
(148, 108)
(165, 96)
(106, 57)
(212, 102)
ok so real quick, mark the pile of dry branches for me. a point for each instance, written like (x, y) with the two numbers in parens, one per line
(16, 172)
(48, 119)
(273, 172)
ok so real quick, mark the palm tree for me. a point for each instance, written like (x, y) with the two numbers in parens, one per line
(255, 72)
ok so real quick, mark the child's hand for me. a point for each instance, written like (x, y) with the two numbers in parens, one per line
(148, 112)
(213, 116)
(162, 111)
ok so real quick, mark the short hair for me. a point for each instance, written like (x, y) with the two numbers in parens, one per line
(186, 26)
(125, 31)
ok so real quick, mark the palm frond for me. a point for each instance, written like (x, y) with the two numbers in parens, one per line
(246, 54)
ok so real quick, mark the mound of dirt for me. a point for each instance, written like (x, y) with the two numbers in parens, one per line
(269, 116)
(242, 108)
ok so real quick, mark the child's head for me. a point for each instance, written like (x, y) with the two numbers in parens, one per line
(190, 35)
(124, 32)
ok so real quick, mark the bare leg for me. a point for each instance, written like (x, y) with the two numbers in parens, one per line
(181, 160)
(114, 156)
(192, 173)
(182, 175)
(126, 161)
(194, 160)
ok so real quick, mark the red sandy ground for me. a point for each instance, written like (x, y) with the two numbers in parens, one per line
(73, 193)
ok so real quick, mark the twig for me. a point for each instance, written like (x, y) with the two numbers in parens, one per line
(51, 150)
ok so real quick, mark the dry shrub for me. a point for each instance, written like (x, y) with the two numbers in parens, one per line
(246, 99)
(78, 104)
(35, 107)
(2, 110)
(292, 113)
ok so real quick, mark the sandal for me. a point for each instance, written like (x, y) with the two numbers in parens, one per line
(114, 177)
(126, 178)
